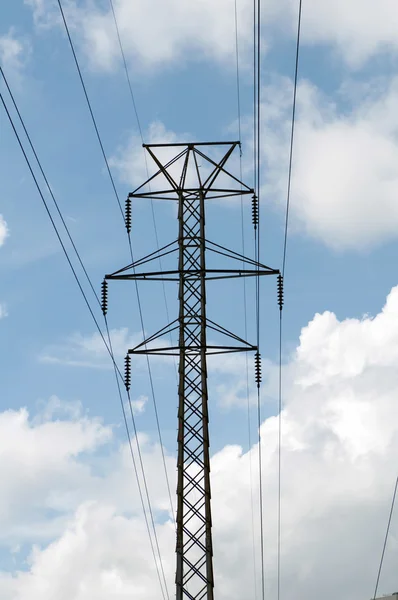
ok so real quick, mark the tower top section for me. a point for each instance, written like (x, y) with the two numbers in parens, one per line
(189, 167)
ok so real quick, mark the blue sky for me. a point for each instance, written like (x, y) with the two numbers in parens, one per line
(341, 258)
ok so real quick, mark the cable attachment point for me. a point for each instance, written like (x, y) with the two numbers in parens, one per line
(257, 368)
(128, 214)
(255, 211)
(127, 372)
(280, 291)
(104, 297)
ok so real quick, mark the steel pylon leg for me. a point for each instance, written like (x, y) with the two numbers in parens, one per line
(194, 575)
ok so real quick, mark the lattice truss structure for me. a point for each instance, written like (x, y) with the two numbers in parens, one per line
(191, 178)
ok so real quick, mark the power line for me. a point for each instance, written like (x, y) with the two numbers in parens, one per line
(289, 182)
(132, 96)
(90, 108)
(244, 290)
(237, 73)
(279, 457)
(153, 396)
(109, 348)
(54, 225)
(386, 538)
(61, 217)
(136, 473)
(126, 70)
(146, 489)
(49, 188)
(129, 238)
(257, 183)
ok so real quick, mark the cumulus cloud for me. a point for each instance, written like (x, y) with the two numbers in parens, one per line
(95, 536)
(59, 493)
(232, 380)
(358, 30)
(3, 230)
(345, 183)
(3, 236)
(35, 452)
(54, 457)
(89, 350)
(180, 30)
(133, 163)
(13, 53)
(45, 12)
(339, 456)
(139, 404)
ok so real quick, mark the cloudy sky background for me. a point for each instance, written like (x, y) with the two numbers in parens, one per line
(72, 526)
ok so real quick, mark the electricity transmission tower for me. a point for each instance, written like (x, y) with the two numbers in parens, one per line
(193, 174)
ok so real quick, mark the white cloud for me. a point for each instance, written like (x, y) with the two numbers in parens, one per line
(55, 408)
(69, 568)
(358, 30)
(139, 404)
(13, 54)
(39, 459)
(4, 232)
(89, 350)
(133, 163)
(345, 181)
(232, 380)
(45, 12)
(340, 444)
(180, 30)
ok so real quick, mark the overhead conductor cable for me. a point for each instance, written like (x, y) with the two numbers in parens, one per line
(256, 222)
(129, 239)
(255, 219)
(281, 279)
(109, 348)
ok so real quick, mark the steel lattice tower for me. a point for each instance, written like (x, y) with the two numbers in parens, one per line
(191, 184)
